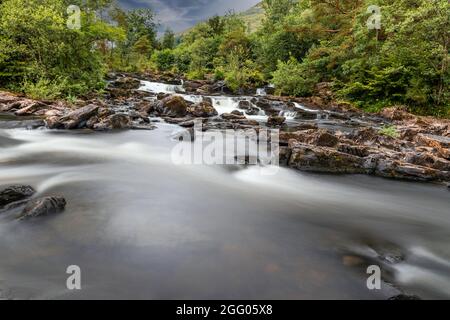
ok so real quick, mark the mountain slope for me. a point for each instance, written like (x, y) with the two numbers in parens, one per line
(253, 17)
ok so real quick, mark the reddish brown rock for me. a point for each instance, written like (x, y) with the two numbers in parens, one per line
(203, 109)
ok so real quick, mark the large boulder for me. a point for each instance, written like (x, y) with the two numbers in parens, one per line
(172, 106)
(203, 110)
(43, 206)
(116, 121)
(320, 138)
(192, 86)
(401, 170)
(126, 83)
(74, 120)
(33, 108)
(275, 121)
(15, 193)
(323, 159)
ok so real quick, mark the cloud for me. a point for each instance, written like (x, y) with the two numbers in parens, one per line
(180, 15)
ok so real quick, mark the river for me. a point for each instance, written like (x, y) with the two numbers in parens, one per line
(142, 227)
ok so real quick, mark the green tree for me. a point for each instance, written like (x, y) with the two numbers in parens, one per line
(168, 40)
(37, 47)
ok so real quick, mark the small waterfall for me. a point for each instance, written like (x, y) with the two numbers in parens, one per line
(302, 107)
(289, 115)
(261, 92)
(156, 87)
(304, 112)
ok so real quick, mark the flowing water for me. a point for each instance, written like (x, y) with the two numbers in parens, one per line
(142, 227)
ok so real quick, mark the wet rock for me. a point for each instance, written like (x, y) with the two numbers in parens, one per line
(397, 114)
(275, 121)
(244, 104)
(304, 126)
(237, 113)
(284, 155)
(245, 122)
(74, 120)
(401, 170)
(271, 108)
(249, 108)
(15, 193)
(359, 151)
(32, 109)
(6, 98)
(321, 138)
(142, 127)
(145, 107)
(205, 89)
(439, 143)
(208, 100)
(43, 206)
(427, 159)
(172, 106)
(126, 83)
(192, 86)
(230, 116)
(113, 122)
(119, 121)
(162, 95)
(175, 120)
(118, 93)
(324, 159)
(203, 109)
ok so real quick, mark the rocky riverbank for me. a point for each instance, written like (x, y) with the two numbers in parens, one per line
(319, 134)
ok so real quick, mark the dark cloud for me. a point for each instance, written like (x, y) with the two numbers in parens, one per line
(182, 14)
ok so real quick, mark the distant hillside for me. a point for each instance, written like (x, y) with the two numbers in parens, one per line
(252, 17)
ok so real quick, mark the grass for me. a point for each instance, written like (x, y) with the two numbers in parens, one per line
(389, 131)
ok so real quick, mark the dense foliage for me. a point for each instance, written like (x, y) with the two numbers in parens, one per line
(298, 44)
(41, 55)
(302, 43)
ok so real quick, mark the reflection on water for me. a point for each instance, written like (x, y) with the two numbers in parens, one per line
(140, 227)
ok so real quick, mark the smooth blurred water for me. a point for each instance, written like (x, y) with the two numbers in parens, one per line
(141, 227)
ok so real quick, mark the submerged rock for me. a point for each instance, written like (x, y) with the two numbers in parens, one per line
(15, 193)
(43, 206)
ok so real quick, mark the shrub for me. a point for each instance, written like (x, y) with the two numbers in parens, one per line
(164, 60)
(292, 78)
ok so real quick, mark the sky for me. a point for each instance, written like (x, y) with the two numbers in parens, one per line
(180, 15)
